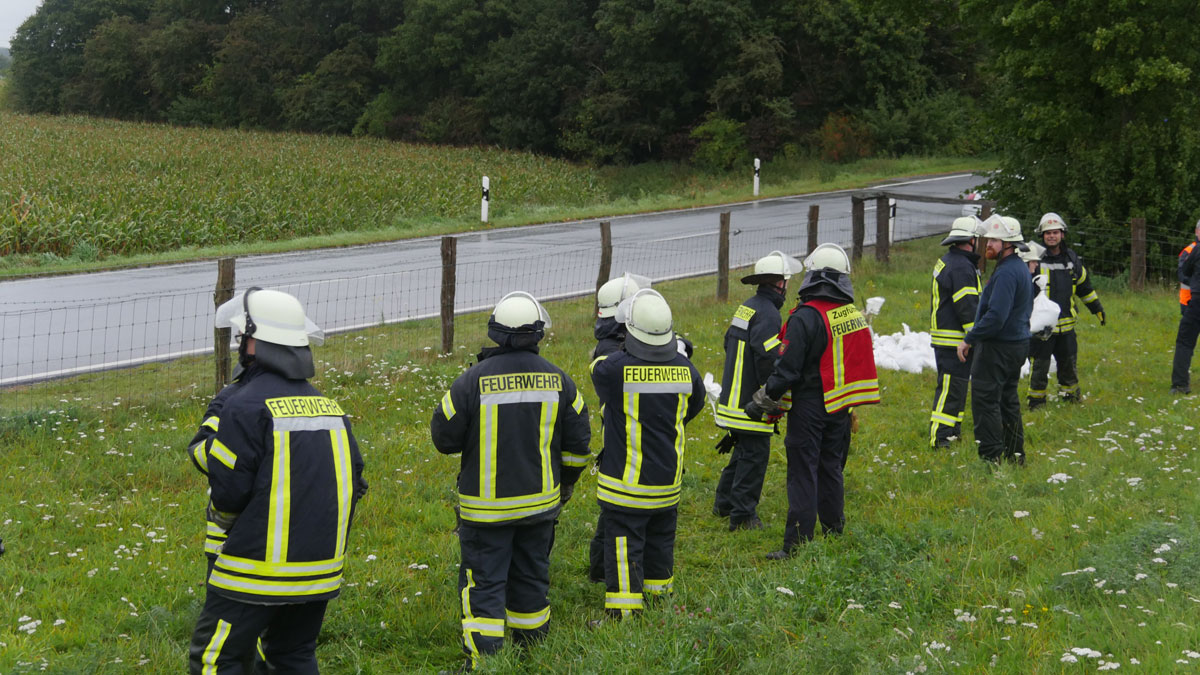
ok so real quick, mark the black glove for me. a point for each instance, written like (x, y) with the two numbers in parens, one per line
(565, 492)
(761, 404)
(1101, 315)
(725, 445)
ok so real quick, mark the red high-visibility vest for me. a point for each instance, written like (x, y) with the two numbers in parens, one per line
(848, 376)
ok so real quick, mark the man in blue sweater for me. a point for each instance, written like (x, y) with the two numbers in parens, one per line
(1000, 338)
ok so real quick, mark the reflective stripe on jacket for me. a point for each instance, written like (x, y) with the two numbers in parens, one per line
(522, 428)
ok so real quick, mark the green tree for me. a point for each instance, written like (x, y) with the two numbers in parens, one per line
(112, 81)
(1096, 114)
(48, 48)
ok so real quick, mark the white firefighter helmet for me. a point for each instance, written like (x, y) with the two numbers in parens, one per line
(647, 317)
(613, 291)
(520, 310)
(828, 257)
(962, 230)
(773, 266)
(1005, 229)
(1034, 254)
(269, 316)
(1051, 221)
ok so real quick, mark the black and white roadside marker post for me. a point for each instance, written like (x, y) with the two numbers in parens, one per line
(757, 166)
(483, 204)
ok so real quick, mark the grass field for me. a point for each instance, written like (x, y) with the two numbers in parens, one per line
(1087, 557)
(83, 194)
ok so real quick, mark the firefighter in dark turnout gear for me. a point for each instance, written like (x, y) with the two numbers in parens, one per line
(1065, 278)
(827, 362)
(610, 338)
(955, 296)
(751, 347)
(1000, 338)
(1189, 323)
(521, 426)
(285, 474)
(648, 392)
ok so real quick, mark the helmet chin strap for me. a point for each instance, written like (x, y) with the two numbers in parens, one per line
(244, 358)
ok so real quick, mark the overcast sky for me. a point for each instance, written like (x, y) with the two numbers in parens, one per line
(12, 14)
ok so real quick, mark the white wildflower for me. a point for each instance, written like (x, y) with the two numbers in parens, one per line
(786, 591)
(1058, 478)
(1020, 514)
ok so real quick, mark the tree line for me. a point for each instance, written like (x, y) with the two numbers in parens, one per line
(1090, 106)
(599, 80)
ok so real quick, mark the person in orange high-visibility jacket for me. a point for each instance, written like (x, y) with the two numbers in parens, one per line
(1185, 288)
(827, 362)
(285, 476)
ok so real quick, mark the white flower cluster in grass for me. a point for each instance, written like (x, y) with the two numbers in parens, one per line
(965, 617)
(1020, 514)
(786, 591)
(1058, 478)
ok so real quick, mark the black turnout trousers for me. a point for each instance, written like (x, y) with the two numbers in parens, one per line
(995, 403)
(226, 638)
(1064, 347)
(504, 579)
(817, 445)
(639, 558)
(950, 395)
(740, 486)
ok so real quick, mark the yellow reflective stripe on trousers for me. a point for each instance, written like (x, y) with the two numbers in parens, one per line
(345, 483)
(213, 651)
(633, 438)
(487, 451)
(447, 406)
(545, 437)
(468, 641)
(527, 620)
(279, 508)
(624, 599)
(658, 586)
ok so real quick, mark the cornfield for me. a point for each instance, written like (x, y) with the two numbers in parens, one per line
(76, 184)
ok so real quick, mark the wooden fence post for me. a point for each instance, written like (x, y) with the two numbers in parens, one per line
(222, 294)
(814, 212)
(723, 258)
(882, 236)
(449, 259)
(858, 226)
(605, 258)
(1137, 254)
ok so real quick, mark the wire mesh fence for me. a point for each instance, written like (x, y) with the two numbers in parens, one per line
(158, 342)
